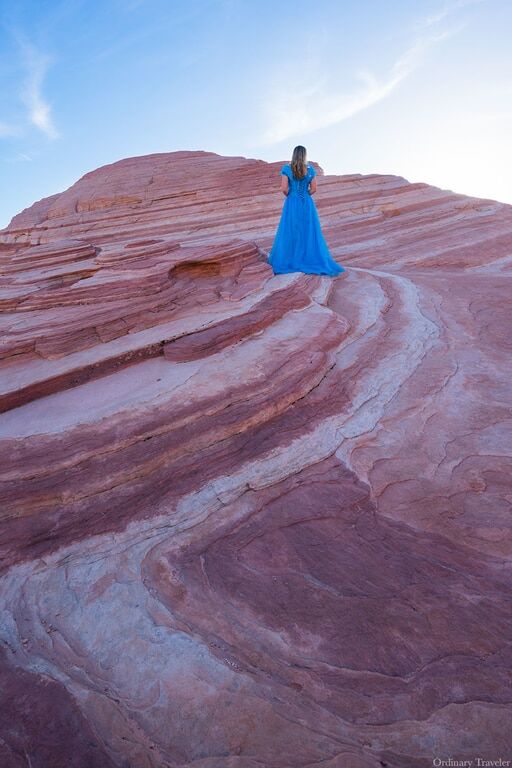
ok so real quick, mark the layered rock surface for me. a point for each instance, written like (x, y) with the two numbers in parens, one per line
(253, 520)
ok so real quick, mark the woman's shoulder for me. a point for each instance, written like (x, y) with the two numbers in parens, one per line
(287, 170)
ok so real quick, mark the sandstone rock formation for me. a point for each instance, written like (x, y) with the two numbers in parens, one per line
(254, 521)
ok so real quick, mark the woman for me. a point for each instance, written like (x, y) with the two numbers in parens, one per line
(299, 245)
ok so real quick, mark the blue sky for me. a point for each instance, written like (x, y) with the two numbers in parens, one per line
(418, 88)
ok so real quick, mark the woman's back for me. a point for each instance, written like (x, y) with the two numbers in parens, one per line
(298, 186)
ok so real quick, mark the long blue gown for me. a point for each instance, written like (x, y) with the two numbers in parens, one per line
(299, 245)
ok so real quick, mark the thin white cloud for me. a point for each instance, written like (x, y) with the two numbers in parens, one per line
(288, 113)
(36, 65)
(446, 10)
(19, 157)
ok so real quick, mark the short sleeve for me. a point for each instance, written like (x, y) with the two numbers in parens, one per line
(284, 170)
(312, 172)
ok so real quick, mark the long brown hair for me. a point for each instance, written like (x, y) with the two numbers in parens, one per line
(299, 162)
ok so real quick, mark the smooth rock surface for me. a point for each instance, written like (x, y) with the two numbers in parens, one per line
(254, 521)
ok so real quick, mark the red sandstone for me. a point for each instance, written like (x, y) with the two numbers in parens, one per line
(253, 520)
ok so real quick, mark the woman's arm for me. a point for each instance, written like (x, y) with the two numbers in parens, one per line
(284, 184)
(312, 186)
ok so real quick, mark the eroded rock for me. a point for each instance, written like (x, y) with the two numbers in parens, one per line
(254, 520)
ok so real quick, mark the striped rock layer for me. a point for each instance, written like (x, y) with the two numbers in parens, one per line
(254, 521)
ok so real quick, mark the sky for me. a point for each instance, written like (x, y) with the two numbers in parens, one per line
(417, 88)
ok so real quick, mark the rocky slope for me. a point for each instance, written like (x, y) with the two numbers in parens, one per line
(252, 520)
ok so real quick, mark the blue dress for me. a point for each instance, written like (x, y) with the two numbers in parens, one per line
(299, 245)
